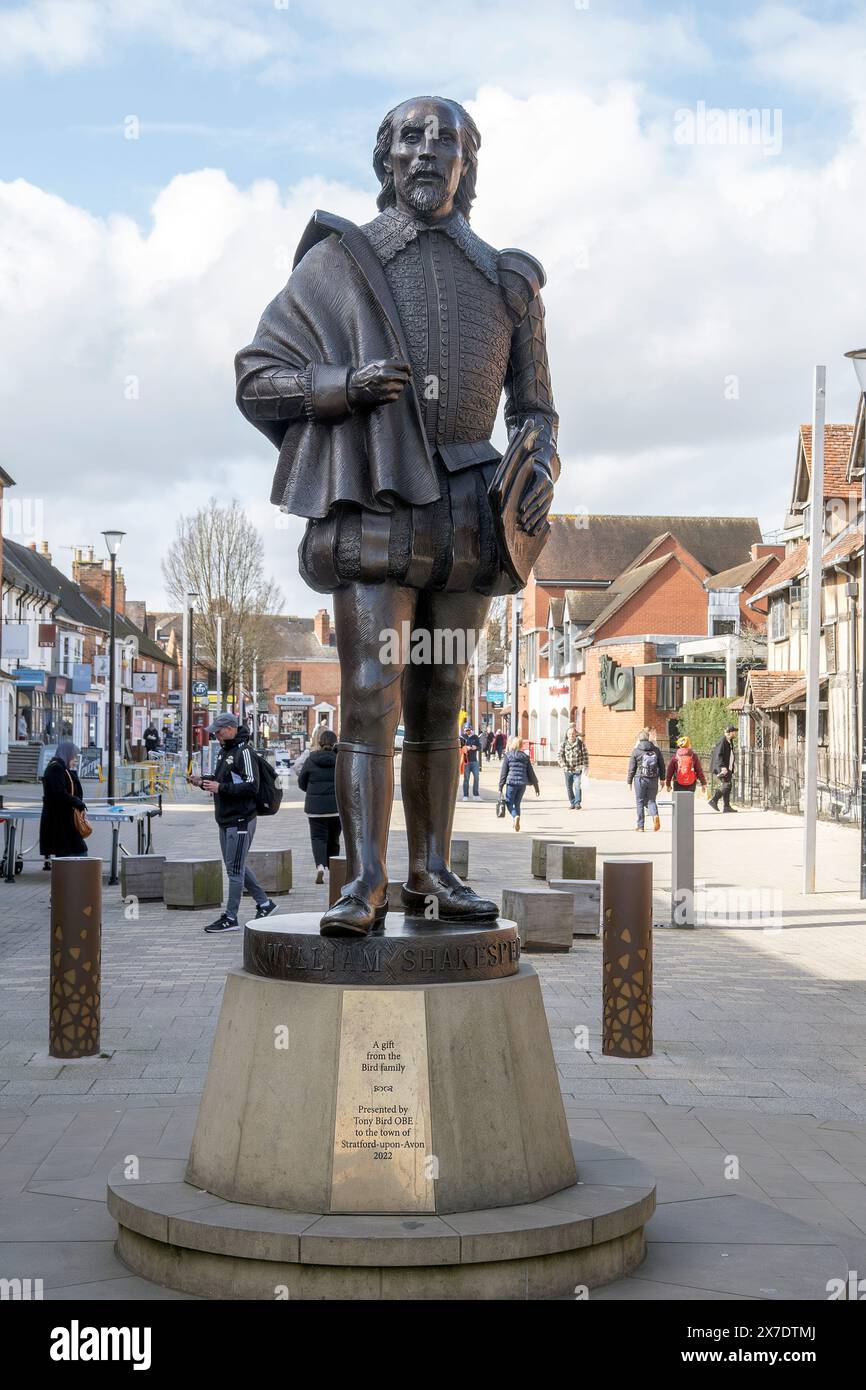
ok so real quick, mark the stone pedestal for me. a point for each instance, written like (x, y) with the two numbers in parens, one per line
(142, 876)
(586, 903)
(544, 919)
(193, 883)
(570, 861)
(538, 862)
(273, 869)
(382, 1141)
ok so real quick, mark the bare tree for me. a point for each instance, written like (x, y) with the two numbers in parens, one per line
(219, 554)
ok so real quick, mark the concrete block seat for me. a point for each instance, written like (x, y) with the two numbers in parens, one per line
(192, 883)
(544, 919)
(273, 869)
(586, 903)
(539, 855)
(570, 861)
(141, 876)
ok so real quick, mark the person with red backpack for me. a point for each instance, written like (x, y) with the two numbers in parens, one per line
(684, 769)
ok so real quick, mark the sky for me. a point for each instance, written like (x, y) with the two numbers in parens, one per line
(159, 160)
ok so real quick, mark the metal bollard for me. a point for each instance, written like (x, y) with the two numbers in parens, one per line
(683, 860)
(76, 943)
(627, 953)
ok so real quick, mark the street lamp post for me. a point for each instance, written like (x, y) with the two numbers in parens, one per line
(112, 543)
(516, 613)
(187, 671)
(858, 359)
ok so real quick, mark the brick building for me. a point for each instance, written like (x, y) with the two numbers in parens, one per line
(608, 610)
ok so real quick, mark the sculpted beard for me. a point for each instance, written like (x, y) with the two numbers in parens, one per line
(426, 197)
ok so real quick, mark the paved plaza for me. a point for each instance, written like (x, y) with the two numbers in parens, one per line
(755, 1089)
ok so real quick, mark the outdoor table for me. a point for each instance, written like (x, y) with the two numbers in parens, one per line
(137, 813)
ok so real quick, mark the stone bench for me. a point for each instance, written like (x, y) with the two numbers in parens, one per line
(539, 855)
(544, 919)
(272, 868)
(586, 900)
(191, 883)
(460, 858)
(141, 876)
(570, 861)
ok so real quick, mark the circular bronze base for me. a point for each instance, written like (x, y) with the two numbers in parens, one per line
(409, 951)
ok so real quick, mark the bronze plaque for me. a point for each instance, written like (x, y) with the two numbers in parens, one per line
(382, 1158)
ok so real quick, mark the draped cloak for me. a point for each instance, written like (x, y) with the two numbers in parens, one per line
(337, 309)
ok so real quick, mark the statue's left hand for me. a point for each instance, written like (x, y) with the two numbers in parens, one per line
(536, 500)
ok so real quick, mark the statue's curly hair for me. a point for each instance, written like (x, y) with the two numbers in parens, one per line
(471, 138)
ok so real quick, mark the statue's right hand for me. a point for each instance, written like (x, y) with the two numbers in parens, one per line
(377, 383)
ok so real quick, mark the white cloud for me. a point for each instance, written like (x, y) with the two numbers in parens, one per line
(671, 271)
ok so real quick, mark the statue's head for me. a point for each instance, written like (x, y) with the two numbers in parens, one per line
(426, 157)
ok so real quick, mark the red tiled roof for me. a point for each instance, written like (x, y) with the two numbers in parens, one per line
(837, 448)
(844, 546)
(765, 687)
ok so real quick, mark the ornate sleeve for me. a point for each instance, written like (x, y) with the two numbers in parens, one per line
(528, 392)
(274, 393)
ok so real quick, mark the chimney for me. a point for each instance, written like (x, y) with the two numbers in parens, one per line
(322, 627)
(136, 612)
(760, 552)
(44, 551)
(88, 575)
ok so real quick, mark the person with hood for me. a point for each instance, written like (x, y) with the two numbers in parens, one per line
(574, 761)
(151, 738)
(61, 798)
(722, 768)
(234, 786)
(684, 769)
(645, 767)
(317, 779)
(516, 773)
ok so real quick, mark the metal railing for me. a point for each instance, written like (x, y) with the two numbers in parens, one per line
(774, 779)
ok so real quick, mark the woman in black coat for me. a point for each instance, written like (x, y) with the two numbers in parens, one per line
(317, 779)
(61, 795)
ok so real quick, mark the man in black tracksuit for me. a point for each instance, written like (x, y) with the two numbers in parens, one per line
(234, 786)
(722, 768)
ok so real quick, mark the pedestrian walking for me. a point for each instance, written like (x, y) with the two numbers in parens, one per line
(62, 797)
(646, 767)
(488, 744)
(684, 770)
(151, 739)
(498, 743)
(317, 779)
(722, 768)
(320, 728)
(516, 773)
(574, 760)
(234, 786)
(471, 745)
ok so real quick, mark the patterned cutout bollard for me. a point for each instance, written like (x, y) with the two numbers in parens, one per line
(627, 1022)
(76, 945)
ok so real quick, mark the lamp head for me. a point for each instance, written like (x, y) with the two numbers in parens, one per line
(112, 541)
(858, 361)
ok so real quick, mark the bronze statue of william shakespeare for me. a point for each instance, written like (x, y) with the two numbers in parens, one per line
(377, 372)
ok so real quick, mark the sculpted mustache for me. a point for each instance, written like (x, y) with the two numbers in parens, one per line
(425, 174)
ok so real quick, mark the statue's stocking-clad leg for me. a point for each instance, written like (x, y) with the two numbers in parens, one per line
(372, 669)
(432, 696)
